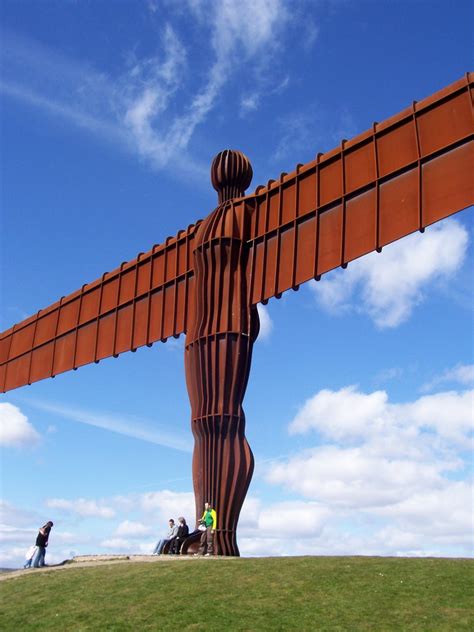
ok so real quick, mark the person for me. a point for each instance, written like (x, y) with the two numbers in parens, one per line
(41, 544)
(172, 532)
(181, 535)
(209, 520)
(29, 556)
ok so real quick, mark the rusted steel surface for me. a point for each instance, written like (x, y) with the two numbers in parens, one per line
(218, 354)
(141, 302)
(398, 177)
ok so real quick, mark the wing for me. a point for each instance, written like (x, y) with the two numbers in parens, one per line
(142, 301)
(408, 172)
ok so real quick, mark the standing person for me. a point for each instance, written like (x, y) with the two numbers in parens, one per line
(41, 544)
(209, 520)
(181, 535)
(172, 532)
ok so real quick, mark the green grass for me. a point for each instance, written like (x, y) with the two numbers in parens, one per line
(306, 593)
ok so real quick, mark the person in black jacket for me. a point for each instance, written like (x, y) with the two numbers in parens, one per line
(177, 541)
(41, 544)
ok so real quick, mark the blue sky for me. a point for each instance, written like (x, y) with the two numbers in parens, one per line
(358, 408)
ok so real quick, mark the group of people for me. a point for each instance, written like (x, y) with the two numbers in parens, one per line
(177, 533)
(175, 536)
(36, 554)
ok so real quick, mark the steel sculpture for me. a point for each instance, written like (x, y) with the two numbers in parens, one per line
(398, 177)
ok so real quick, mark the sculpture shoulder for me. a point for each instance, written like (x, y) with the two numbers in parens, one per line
(227, 220)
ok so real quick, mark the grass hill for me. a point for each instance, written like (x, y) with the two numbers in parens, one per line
(305, 593)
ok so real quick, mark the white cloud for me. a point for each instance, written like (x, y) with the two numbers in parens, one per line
(353, 477)
(388, 286)
(307, 519)
(116, 544)
(16, 534)
(348, 414)
(82, 507)
(266, 323)
(131, 529)
(449, 414)
(397, 472)
(15, 429)
(127, 425)
(342, 414)
(168, 504)
(449, 510)
(22, 518)
(460, 374)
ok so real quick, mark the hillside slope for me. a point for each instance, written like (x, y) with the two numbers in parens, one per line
(306, 593)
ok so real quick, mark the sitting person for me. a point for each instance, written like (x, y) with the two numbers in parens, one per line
(173, 530)
(181, 535)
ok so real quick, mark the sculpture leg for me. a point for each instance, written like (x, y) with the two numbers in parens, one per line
(222, 470)
(217, 370)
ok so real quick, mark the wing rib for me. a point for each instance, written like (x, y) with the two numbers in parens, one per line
(141, 302)
(410, 171)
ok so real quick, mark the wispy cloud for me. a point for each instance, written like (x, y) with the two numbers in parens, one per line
(128, 425)
(152, 106)
(310, 129)
(251, 100)
(460, 374)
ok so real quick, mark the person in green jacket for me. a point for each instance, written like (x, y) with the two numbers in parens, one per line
(209, 519)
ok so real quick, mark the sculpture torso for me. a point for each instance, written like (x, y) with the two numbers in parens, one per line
(218, 353)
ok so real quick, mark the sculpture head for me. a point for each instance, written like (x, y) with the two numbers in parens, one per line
(231, 174)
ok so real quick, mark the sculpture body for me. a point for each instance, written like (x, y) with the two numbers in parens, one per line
(218, 354)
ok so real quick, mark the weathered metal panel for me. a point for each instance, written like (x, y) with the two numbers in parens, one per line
(119, 312)
(413, 169)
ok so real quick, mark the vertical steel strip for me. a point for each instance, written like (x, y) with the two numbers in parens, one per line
(256, 213)
(148, 322)
(295, 228)
(343, 203)
(186, 281)
(98, 319)
(176, 270)
(316, 223)
(56, 334)
(377, 187)
(74, 367)
(278, 238)
(264, 247)
(163, 298)
(33, 346)
(134, 303)
(117, 305)
(220, 287)
(420, 183)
